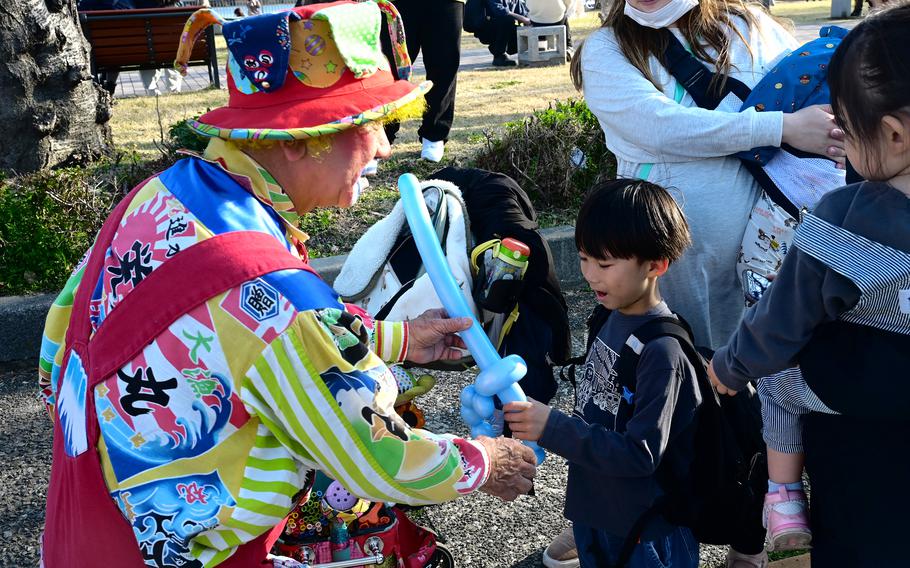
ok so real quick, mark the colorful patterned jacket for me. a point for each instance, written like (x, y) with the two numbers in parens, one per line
(208, 434)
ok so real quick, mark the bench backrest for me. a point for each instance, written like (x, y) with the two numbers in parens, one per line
(140, 39)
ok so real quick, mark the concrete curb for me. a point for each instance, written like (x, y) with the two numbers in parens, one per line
(22, 317)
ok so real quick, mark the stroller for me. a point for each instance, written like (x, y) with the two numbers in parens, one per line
(384, 536)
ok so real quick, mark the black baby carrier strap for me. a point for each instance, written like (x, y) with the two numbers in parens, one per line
(696, 79)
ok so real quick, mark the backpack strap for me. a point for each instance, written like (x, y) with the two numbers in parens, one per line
(630, 354)
(595, 321)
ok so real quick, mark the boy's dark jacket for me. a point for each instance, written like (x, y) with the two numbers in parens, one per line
(613, 457)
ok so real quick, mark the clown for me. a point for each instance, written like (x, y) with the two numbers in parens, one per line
(197, 369)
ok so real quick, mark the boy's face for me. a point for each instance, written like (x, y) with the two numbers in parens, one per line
(624, 284)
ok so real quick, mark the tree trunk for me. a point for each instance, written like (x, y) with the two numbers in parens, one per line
(51, 113)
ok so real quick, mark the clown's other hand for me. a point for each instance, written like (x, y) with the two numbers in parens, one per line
(512, 468)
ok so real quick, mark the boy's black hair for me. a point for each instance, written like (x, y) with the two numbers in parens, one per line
(869, 75)
(629, 218)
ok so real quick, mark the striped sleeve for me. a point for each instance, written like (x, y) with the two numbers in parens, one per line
(52, 339)
(388, 339)
(328, 396)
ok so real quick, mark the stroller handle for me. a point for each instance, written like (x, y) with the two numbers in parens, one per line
(366, 561)
(373, 545)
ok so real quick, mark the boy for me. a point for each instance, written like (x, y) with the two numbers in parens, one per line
(627, 234)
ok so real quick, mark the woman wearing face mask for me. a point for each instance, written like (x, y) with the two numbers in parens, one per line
(658, 133)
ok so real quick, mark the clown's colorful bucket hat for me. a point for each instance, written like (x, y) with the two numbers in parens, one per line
(305, 72)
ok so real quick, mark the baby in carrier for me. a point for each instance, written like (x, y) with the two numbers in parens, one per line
(840, 304)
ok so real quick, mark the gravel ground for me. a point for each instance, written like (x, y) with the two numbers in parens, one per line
(480, 530)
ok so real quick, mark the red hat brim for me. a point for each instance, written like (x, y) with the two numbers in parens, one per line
(357, 103)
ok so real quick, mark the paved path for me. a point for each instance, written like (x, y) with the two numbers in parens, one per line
(478, 57)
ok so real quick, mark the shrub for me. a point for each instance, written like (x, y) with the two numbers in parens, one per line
(181, 137)
(555, 154)
(50, 218)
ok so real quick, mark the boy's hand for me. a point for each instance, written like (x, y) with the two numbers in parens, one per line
(527, 419)
(718, 386)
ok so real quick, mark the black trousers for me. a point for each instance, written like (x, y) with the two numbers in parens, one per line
(563, 22)
(503, 36)
(434, 28)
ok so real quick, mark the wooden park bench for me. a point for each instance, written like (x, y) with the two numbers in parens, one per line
(127, 40)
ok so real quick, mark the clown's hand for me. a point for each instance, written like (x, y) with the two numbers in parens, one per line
(431, 337)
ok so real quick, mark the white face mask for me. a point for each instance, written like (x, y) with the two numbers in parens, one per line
(662, 17)
(361, 184)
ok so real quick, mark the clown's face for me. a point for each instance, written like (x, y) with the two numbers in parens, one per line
(328, 180)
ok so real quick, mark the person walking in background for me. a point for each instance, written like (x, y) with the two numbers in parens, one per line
(432, 27)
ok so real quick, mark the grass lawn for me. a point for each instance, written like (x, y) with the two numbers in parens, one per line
(815, 12)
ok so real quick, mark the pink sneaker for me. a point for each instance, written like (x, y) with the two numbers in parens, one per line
(787, 520)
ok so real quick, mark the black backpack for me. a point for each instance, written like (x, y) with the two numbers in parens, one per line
(490, 206)
(720, 497)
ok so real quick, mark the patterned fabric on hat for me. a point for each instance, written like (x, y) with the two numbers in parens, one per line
(798, 81)
(356, 34)
(192, 30)
(260, 48)
(399, 42)
(315, 59)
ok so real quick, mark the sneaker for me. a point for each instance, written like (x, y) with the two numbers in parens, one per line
(737, 559)
(562, 552)
(787, 520)
(432, 151)
(503, 61)
(570, 53)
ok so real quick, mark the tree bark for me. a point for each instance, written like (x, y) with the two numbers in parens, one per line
(51, 113)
